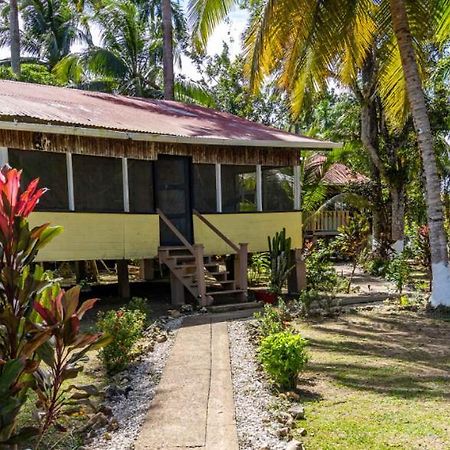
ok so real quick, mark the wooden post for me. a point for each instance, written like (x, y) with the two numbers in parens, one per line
(176, 290)
(122, 278)
(200, 273)
(240, 270)
(297, 278)
(147, 269)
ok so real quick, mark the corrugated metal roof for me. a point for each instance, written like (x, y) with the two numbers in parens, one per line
(338, 174)
(25, 102)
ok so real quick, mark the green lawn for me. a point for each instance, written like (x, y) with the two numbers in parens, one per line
(378, 380)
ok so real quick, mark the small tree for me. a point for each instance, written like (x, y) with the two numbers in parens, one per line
(352, 241)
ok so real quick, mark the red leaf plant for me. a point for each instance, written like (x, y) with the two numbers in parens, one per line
(60, 312)
(20, 336)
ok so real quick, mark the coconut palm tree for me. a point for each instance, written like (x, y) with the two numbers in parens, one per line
(50, 28)
(307, 41)
(14, 34)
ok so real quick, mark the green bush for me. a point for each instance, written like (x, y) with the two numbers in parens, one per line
(306, 298)
(126, 327)
(269, 321)
(399, 272)
(283, 356)
(140, 304)
(320, 274)
(376, 266)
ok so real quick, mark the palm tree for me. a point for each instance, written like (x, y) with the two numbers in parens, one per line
(438, 239)
(128, 60)
(14, 34)
(307, 41)
(169, 80)
(50, 28)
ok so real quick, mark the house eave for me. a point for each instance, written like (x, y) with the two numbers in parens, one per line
(151, 137)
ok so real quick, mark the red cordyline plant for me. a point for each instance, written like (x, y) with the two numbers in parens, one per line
(34, 315)
(62, 355)
(19, 286)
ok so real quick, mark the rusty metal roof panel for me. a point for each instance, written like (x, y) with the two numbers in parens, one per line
(25, 102)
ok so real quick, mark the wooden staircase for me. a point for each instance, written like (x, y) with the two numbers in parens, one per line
(203, 276)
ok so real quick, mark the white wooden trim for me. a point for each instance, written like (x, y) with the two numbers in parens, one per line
(126, 190)
(297, 189)
(291, 141)
(259, 203)
(70, 190)
(3, 156)
(218, 188)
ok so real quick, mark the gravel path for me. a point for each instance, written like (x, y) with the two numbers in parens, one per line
(256, 424)
(130, 409)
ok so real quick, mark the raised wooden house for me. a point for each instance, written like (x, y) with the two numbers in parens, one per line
(134, 178)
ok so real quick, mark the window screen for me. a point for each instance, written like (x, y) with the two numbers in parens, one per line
(97, 183)
(204, 180)
(51, 169)
(140, 186)
(277, 188)
(238, 188)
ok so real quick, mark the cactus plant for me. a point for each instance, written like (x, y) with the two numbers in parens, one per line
(280, 260)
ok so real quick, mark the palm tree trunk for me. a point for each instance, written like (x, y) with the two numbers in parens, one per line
(14, 36)
(166, 11)
(398, 217)
(440, 294)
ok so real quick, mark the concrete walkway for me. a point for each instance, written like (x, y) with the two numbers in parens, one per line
(193, 406)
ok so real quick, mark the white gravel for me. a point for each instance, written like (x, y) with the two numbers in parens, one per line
(256, 424)
(130, 410)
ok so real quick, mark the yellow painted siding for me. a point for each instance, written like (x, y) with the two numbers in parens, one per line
(100, 236)
(247, 228)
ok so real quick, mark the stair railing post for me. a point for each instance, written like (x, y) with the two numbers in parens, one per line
(200, 273)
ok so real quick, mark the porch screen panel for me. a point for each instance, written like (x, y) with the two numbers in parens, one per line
(204, 183)
(51, 169)
(278, 188)
(97, 183)
(238, 188)
(140, 186)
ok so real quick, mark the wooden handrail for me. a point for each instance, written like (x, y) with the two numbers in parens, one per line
(175, 231)
(234, 246)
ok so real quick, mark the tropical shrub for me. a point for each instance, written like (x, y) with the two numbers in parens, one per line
(269, 321)
(376, 266)
(280, 260)
(126, 327)
(283, 356)
(399, 272)
(320, 274)
(352, 241)
(306, 298)
(259, 269)
(140, 304)
(37, 320)
(62, 354)
(20, 335)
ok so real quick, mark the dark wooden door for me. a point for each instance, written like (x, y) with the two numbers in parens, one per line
(173, 196)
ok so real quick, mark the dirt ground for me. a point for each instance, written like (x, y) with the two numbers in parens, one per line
(378, 379)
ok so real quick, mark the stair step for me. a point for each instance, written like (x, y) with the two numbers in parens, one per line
(173, 247)
(234, 307)
(226, 292)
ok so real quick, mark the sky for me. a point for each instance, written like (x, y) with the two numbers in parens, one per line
(229, 32)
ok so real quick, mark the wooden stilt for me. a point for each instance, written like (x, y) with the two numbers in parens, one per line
(147, 269)
(297, 278)
(123, 279)
(176, 290)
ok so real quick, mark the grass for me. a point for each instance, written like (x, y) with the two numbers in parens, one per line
(377, 380)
